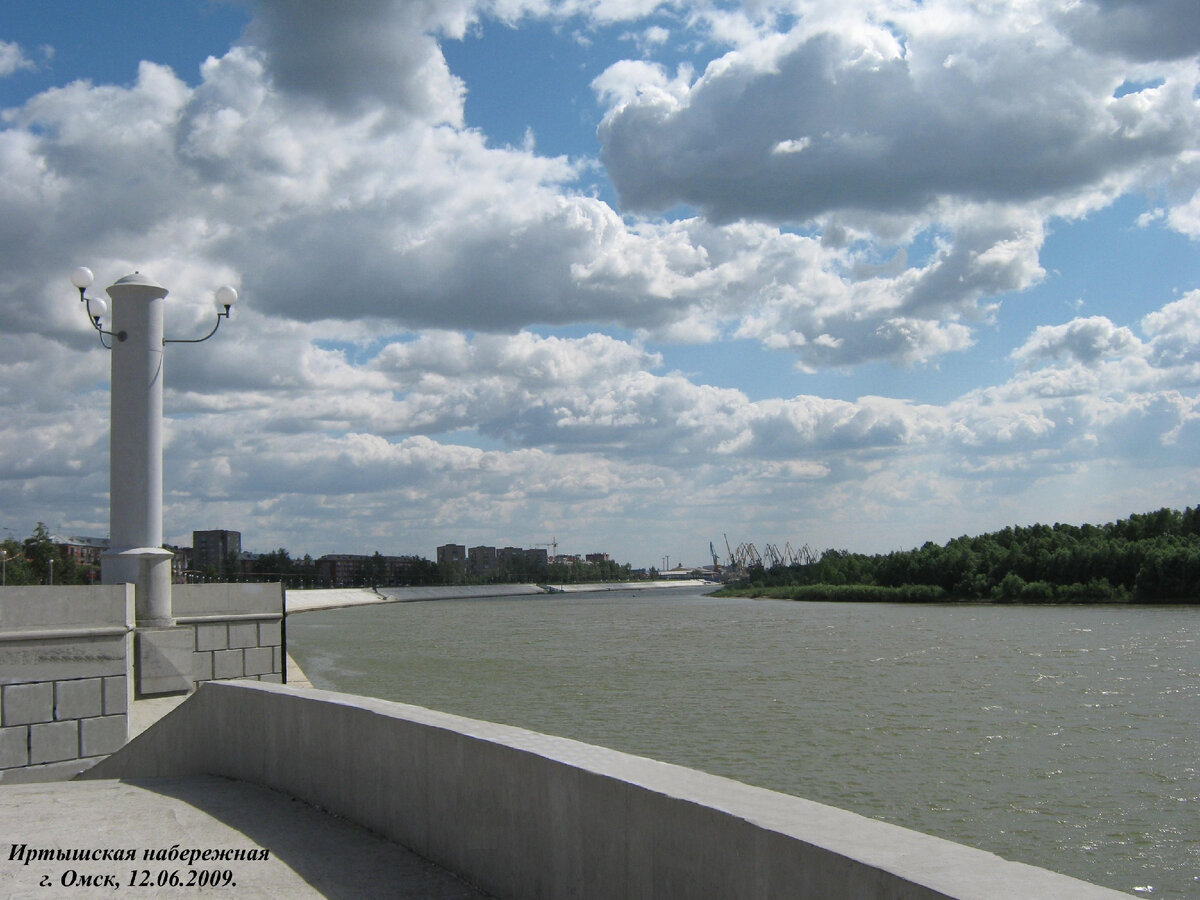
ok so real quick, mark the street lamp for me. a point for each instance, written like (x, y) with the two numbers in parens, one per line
(135, 337)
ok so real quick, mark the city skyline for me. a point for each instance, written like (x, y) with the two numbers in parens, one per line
(636, 276)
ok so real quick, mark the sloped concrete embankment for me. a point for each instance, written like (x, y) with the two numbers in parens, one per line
(527, 815)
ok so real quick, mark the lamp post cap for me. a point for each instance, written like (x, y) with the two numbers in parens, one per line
(137, 285)
(137, 278)
(142, 553)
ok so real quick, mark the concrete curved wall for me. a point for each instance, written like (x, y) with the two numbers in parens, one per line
(527, 815)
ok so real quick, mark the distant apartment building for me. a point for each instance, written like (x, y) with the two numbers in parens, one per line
(484, 559)
(343, 569)
(219, 550)
(506, 555)
(481, 559)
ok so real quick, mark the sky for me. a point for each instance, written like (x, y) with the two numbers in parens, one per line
(629, 276)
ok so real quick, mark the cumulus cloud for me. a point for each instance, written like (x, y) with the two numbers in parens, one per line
(355, 57)
(442, 338)
(855, 127)
(870, 120)
(1174, 332)
(1085, 340)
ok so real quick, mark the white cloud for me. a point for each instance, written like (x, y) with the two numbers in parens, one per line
(13, 59)
(393, 375)
(1174, 332)
(1084, 340)
(364, 56)
(978, 124)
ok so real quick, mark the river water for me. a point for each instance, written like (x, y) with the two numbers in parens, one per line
(1062, 736)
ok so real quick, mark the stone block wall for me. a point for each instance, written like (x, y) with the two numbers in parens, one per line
(238, 630)
(67, 664)
(64, 682)
(239, 649)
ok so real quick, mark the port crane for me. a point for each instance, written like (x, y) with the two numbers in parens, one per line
(746, 555)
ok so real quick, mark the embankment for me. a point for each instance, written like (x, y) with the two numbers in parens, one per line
(527, 815)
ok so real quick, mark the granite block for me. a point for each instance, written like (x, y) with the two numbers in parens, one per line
(53, 742)
(259, 661)
(243, 634)
(228, 664)
(116, 695)
(78, 699)
(202, 665)
(270, 634)
(25, 704)
(14, 747)
(102, 735)
(210, 636)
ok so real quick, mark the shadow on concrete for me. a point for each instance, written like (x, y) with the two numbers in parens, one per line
(337, 858)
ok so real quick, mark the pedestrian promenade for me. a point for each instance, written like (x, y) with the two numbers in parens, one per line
(308, 853)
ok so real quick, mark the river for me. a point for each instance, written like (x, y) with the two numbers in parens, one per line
(1060, 736)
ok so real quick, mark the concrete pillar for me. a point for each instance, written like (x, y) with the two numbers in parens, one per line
(136, 447)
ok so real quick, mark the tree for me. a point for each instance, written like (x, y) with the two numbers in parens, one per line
(376, 570)
(17, 570)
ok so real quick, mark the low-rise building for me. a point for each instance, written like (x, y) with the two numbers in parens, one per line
(83, 551)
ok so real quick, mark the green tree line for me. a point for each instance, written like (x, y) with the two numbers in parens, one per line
(278, 565)
(38, 560)
(1148, 558)
(522, 570)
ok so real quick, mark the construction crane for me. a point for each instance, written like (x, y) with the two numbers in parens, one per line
(552, 547)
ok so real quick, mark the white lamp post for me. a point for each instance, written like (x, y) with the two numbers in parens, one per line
(136, 554)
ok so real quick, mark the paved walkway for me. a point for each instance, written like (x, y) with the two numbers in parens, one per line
(310, 853)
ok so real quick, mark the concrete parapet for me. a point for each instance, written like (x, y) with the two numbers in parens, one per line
(527, 815)
(226, 601)
(53, 608)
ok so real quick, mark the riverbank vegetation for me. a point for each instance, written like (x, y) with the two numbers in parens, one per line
(1147, 558)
